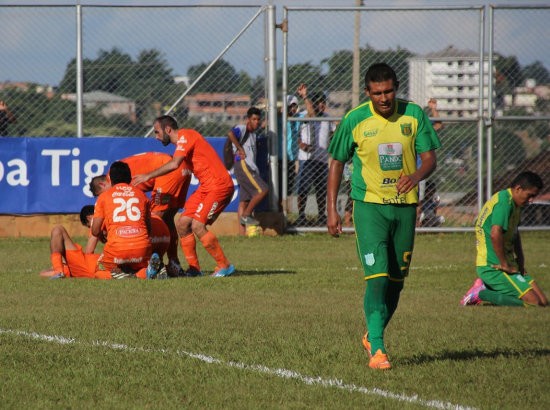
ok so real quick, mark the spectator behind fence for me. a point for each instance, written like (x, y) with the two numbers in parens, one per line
(6, 117)
(313, 158)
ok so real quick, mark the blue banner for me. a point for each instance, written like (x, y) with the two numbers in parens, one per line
(51, 175)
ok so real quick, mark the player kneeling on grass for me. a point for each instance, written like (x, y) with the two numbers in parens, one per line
(80, 262)
(124, 212)
(500, 261)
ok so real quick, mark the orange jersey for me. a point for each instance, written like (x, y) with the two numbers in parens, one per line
(125, 210)
(168, 191)
(202, 160)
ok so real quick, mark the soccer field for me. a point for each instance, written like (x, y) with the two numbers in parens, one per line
(283, 332)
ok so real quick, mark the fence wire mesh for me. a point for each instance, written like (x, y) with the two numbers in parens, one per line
(436, 55)
(139, 61)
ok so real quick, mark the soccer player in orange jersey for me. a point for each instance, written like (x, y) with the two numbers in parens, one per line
(81, 261)
(207, 202)
(125, 213)
(168, 194)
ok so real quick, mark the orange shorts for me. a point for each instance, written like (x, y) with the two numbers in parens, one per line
(205, 204)
(170, 190)
(134, 259)
(80, 265)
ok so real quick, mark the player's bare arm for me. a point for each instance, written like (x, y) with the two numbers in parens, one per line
(91, 243)
(97, 224)
(236, 143)
(170, 166)
(334, 223)
(518, 250)
(407, 182)
(497, 240)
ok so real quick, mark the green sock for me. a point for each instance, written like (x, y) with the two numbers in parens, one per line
(499, 299)
(376, 311)
(392, 298)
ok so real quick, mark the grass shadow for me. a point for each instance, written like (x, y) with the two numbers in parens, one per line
(240, 272)
(464, 355)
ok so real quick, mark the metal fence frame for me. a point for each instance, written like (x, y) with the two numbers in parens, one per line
(484, 121)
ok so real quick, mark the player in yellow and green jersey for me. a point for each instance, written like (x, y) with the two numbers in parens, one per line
(382, 137)
(500, 261)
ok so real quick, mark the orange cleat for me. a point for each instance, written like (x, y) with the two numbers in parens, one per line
(379, 361)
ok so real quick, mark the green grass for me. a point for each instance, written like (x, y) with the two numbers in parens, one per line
(295, 303)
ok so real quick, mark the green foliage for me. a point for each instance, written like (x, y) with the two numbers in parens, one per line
(295, 304)
(537, 71)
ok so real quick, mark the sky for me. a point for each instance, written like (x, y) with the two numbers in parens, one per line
(38, 48)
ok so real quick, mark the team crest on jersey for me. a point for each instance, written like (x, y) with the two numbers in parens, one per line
(369, 259)
(406, 129)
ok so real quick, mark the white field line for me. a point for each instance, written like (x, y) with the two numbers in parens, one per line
(283, 373)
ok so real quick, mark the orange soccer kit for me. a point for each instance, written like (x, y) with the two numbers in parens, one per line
(167, 191)
(214, 193)
(124, 210)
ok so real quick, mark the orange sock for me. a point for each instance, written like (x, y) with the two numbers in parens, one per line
(189, 248)
(103, 274)
(57, 261)
(210, 243)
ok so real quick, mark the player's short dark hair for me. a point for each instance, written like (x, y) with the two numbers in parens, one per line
(318, 97)
(527, 180)
(94, 184)
(253, 111)
(85, 212)
(166, 120)
(120, 173)
(380, 72)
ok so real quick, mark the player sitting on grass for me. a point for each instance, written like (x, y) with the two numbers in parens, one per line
(500, 261)
(124, 212)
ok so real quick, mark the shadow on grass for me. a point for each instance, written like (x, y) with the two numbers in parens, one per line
(463, 355)
(239, 272)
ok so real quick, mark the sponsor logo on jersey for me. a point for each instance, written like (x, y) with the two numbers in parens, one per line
(390, 156)
(370, 133)
(122, 261)
(128, 231)
(406, 129)
(389, 181)
(369, 259)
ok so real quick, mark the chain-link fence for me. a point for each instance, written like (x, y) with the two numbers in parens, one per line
(487, 74)
(443, 64)
(137, 63)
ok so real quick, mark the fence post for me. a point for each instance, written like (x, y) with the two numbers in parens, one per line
(480, 120)
(79, 73)
(272, 105)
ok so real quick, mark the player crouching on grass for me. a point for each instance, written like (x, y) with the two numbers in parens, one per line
(500, 261)
(124, 212)
(80, 262)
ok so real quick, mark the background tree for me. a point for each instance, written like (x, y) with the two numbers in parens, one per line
(537, 71)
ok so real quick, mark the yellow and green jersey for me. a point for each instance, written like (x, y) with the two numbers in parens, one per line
(502, 211)
(383, 149)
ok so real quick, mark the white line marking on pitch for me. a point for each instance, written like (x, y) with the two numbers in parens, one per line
(284, 373)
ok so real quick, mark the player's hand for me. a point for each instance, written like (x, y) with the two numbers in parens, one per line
(139, 179)
(334, 224)
(405, 184)
(507, 269)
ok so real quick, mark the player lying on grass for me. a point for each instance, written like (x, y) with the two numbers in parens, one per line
(500, 261)
(168, 194)
(81, 262)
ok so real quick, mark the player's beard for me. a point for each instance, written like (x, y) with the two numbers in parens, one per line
(165, 139)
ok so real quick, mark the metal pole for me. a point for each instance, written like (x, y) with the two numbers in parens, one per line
(490, 113)
(480, 127)
(272, 105)
(284, 154)
(356, 57)
(79, 73)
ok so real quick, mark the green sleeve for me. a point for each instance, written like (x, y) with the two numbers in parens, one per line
(342, 144)
(426, 137)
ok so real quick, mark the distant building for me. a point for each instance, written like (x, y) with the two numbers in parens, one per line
(452, 77)
(218, 107)
(110, 104)
(526, 97)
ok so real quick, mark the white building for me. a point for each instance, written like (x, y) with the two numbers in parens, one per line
(452, 77)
